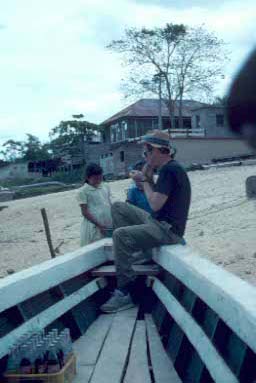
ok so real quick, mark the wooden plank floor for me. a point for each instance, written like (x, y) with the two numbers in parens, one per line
(113, 357)
(114, 350)
(87, 348)
(138, 368)
(110, 270)
(163, 369)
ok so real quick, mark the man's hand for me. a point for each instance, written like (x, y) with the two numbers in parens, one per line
(148, 172)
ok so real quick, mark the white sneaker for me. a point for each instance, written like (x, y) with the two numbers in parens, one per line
(117, 302)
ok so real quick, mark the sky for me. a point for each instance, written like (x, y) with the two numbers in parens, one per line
(54, 61)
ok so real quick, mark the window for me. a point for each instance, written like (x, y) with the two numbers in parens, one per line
(220, 120)
(186, 122)
(122, 156)
(119, 134)
(197, 121)
(124, 130)
(114, 132)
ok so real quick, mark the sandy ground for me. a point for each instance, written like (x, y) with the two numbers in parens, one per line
(221, 226)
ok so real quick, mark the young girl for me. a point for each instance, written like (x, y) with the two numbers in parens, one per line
(94, 200)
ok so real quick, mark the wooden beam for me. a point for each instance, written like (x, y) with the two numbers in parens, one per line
(110, 270)
(88, 346)
(163, 369)
(25, 284)
(138, 368)
(47, 232)
(83, 374)
(43, 319)
(216, 366)
(112, 361)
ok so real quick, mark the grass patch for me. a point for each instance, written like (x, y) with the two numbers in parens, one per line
(33, 192)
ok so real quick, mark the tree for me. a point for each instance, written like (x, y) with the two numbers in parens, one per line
(147, 53)
(72, 134)
(198, 65)
(13, 150)
(33, 150)
(220, 101)
(185, 61)
(29, 150)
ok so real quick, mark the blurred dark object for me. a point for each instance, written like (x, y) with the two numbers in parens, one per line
(109, 232)
(251, 187)
(241, 101)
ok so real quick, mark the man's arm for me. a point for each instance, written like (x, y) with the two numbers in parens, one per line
(156, 200)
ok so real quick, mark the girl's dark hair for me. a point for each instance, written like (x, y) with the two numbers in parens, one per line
(92, 170)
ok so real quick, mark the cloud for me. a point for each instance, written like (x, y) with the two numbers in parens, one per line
(181, 4)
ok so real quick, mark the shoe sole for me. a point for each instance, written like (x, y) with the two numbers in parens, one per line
(126, 307)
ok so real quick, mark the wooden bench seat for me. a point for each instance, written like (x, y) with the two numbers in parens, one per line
(110, 270)
(114, 350)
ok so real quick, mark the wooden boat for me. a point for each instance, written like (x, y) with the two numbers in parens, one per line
(194, 322)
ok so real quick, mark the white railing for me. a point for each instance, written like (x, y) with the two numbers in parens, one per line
(187, 132)
(232, 298)
(173, 132)
(25, 284)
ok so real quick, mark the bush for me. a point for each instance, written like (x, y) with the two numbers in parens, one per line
(26, 193)
(9, 183)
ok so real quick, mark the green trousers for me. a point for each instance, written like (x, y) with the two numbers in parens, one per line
(135, 231)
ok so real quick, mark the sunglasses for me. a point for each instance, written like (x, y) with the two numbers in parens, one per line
(149, 150)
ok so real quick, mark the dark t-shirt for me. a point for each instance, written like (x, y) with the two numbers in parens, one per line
(174, 182)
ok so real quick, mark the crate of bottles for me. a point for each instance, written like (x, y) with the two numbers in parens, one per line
(65, 375)
(41, 357)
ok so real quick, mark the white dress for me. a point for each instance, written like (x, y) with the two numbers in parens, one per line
(99, 205)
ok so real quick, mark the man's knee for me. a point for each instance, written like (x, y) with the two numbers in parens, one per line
(119, 233)
(122, 236)
(117, 207)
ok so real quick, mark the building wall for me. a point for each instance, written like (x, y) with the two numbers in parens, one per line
(19, 170)
(93, 152)
(208, 122)
(124, 156)
(204, 150)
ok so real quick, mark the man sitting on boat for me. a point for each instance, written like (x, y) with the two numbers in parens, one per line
(137, 230)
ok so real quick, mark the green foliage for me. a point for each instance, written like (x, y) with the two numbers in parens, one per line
(29, 150)
(32, 192)
(71, 132)
(13, 150)
(34, 150)
(12, 182)
(75, 176)
(69, 136)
